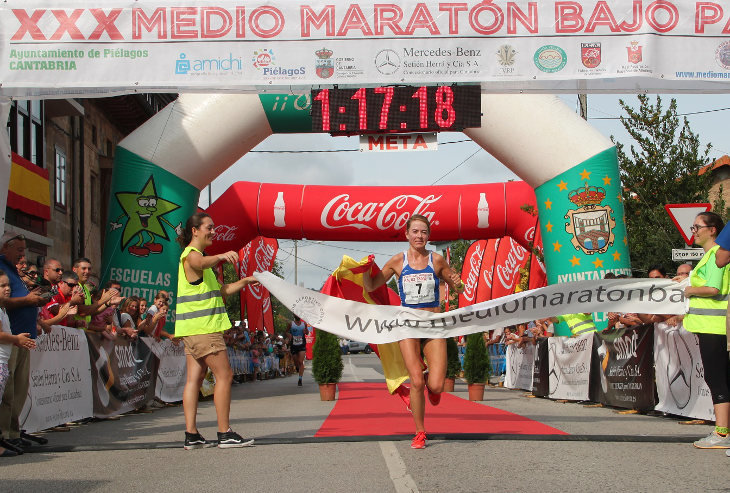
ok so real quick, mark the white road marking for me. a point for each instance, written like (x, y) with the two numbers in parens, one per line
(352, 370)
(402, 481)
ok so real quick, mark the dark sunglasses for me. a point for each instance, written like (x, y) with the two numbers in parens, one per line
(32, 273)
(16, 237)
(71, 284)
(59, 270)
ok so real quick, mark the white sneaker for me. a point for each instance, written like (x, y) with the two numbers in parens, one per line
(713, 440)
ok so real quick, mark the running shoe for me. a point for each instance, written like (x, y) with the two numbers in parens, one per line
(433, 397)
(405, 394)
(231, 439)
(195, 440)
(419, 441)
(299, 383)
(727, 453)
(713, 440)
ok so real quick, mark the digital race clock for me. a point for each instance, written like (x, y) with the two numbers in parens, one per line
(396, 109)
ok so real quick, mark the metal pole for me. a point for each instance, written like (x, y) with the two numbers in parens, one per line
(583, 103)
(295, 263)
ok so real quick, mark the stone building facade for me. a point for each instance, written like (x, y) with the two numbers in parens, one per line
(70, 143)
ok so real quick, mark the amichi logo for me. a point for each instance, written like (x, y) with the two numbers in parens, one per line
(184, 66)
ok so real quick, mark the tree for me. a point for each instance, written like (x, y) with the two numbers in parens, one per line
(720, 206)
(233, 301)
(662, 168)
(282, 315)
(457, 253)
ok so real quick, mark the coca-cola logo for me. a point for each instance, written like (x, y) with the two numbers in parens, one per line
(488, 275)
(507, 272)
(530, 235)
(223, 232)
(264, 259)
(243, 261)
(472, 278)
(393, 214)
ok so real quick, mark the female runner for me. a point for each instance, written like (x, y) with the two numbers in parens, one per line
(419, 272)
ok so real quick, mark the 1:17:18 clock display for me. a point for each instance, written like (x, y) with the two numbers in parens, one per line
(396, 109)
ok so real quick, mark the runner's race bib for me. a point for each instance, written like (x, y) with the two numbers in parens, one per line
(419, 288)
(298, 341)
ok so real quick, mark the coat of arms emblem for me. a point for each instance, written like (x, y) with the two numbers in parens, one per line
(592, 224)
(635, 52)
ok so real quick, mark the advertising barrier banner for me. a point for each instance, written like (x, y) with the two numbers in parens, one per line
(60, 380)
(520, 367)
(124, 373)
(540, 380)
(518, 46)
(171, 372)
(569, 365)
(623, 368)
(680, 382)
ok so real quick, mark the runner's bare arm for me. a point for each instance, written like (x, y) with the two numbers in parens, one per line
(388, 271)
(447, 274)
(722, 257)
(235, 287)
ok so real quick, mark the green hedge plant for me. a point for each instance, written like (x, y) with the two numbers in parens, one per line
(327, 363)
(453, 365)
(476, 359)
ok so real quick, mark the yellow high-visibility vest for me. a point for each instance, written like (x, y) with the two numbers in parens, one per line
(200, 308)
(706, 315)
(580, 323)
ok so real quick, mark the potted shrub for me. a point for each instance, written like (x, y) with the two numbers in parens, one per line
(476, 365)
(326, 363)
(453, 365)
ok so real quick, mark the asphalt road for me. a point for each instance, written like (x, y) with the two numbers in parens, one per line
(605, 451)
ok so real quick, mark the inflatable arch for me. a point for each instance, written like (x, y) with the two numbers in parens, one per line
(161, 167)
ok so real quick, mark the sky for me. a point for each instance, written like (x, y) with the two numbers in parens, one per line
(458, 161)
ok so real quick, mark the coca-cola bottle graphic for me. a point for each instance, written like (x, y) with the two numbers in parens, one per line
(483, 211)
(279, 210)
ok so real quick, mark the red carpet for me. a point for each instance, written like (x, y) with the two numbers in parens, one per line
(366, 409)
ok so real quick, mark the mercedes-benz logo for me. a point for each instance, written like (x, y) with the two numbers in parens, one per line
(553, 375)
(679, 369)
(387, 61)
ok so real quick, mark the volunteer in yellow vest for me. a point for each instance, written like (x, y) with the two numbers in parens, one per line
(579, 323)
(708, 301)
(200, 321)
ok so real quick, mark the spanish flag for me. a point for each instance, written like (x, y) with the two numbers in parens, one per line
(29, 190)
(346, 282)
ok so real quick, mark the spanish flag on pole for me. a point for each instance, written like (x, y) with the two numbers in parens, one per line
(346, 282)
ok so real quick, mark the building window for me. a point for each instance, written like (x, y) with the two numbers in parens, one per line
(25, 124)
(95, 203)
(94, 136)
(60, 173)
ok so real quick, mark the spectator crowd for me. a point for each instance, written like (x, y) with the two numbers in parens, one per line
(34, 299)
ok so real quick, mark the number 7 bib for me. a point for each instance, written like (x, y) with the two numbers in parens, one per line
(419, 288)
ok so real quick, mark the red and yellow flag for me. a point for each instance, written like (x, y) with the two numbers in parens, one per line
(346, 282)
(28, 190)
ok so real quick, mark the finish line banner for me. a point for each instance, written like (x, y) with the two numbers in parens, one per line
(381, 324)
(75, 46)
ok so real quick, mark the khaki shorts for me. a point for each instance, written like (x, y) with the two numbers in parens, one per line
(201, 345)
